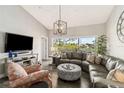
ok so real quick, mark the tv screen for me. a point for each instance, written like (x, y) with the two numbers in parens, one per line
(18, 42)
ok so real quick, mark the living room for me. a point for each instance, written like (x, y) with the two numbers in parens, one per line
(86, 53)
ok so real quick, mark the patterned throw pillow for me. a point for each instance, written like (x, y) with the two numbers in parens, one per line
(98, 60)
(110, 76)
(116, 75)
(90, 58)
(119, 75)
(15, 71)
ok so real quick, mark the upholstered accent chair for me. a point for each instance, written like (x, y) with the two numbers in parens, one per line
(25, 77)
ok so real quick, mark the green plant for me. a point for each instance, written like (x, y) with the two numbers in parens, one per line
(63, 45)
(101, 42)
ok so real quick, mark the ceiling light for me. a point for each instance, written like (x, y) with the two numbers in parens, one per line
(60, 26)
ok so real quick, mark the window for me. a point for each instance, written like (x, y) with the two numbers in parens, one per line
(87, 44)
(74, 44)
(87, 40)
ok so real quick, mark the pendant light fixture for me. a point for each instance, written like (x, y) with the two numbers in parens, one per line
(60, 26)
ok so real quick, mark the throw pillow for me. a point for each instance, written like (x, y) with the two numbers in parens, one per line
(15, 71)
(116, 75)
(111, 64)
(69, 55)
(91, 58)
(63, 56)
(110, 76)
(119, 75)
(104, 60)
(98, 60)
(77, 55)
(84, 56)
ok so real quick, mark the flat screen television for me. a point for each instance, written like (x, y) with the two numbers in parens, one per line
(16, 42)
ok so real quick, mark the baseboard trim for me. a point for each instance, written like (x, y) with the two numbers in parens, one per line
(45, 59)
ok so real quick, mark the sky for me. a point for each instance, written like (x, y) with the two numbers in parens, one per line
(87, 40)
(83, 40)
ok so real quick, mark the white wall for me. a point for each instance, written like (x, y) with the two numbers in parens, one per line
(2, 42)
(91, 30)
(14, 19)
(115, 47)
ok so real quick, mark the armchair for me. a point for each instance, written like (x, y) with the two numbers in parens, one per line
(25, 77)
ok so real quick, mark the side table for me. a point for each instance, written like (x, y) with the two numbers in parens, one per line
(55, 60)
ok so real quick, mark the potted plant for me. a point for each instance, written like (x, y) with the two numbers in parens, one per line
(101, 43)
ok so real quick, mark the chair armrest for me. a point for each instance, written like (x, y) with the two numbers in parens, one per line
(32, 68)
(109, 82)
(32, 78)
(42, 75)
(21, 82)
(39, 74)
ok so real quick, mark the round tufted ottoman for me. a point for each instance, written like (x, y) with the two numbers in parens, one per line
(69, 72)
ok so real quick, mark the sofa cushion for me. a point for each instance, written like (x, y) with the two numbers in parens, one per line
(95, 67)
(76, 61)
(98, 83)
(90, 58)
(85, 66)
(69, 55)
(111, 63)
(15, 71)
(104, 60)
(77, 55)
(120, 65)
(97, 74)
(64, 56)
(84, 55)
(64, 60)
(98, 60)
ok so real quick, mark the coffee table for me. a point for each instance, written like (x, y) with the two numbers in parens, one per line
(69, 72)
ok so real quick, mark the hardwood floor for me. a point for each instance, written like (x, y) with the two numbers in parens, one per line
(83, 82)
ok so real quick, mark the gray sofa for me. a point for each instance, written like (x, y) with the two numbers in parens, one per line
(97, 72)
(71, 57)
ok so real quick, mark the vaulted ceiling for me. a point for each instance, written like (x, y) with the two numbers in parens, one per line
(75, 15)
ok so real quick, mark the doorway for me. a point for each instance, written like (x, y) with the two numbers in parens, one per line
(44, 50)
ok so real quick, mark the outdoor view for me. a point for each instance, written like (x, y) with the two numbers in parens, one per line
(73, 44)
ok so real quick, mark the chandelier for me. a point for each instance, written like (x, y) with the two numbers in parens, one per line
(60, 27)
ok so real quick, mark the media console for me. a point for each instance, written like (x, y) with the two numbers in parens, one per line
(25, 59)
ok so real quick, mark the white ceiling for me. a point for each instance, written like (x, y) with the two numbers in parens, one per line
(75, 15)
